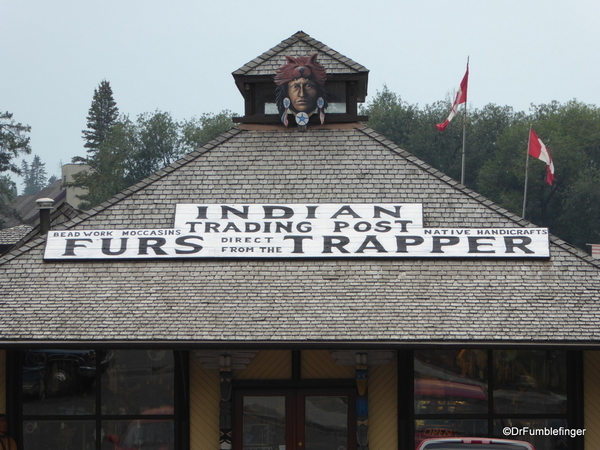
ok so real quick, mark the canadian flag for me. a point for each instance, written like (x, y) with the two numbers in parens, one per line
(538, 150)
(461, 97)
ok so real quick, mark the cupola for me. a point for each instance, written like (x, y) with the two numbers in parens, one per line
(272, 83)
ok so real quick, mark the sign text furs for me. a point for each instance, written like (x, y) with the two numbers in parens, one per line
(298, 230)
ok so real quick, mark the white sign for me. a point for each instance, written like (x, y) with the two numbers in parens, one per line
(298, 230)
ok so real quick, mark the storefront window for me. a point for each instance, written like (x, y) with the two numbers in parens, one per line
(438, 428)
(451, 382)
(462, 392)
(530, 382)
(60, 382)
(75, 398)
(541, 441)
(59, 434)
(138, 382)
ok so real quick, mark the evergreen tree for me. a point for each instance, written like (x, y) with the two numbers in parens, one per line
(101, 118)
(35, 176)
(101, 121)
(13, 141)
(8, 192)
(107, 173)
(131, 151)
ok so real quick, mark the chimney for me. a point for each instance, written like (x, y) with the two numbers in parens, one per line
(44, 206)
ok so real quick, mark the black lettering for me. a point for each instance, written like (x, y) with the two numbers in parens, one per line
(269, 212)
(362, 226)
(297, 242)
(304, 227)
(71, 246)
(279, 226)
(346, 210)
(202, 212)
(225, 210)
(384, 226)
(106, 246)
(377, 210)
(193, 226)
(252, 227)
(376, 245)
(511, 242)
(339, 226)
(231, 225)
(402, 242)
(442, 241)
(153, 243)
(183, 240)
(311, 212)
(403, 224)
(211, 226)
(328, 243)
(474, 244)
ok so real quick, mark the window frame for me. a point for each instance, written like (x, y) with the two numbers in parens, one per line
(180, 401)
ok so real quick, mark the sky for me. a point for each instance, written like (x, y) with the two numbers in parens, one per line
(177, 56)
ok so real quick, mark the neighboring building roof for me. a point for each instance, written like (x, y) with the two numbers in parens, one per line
(310, 301)
(26, 206)
(300, 44)
(10, 236)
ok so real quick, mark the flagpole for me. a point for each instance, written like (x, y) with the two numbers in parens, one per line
(526, 172)
(464, 140)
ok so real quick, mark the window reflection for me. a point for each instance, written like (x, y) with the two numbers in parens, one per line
(530, 381)
(264, 422)
(441, 428)
(450, 381)
(138, 434)
(539, 442)
(59, 435)
(326, 422)
(61, 381)
(138, 381)
(528, 385)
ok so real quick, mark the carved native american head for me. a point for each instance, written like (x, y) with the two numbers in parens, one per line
(301, 88)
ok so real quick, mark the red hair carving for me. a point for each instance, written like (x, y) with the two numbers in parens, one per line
(301, 67)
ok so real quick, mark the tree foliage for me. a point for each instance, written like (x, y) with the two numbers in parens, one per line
(35, 177)
(103, 160)
(101, 117)
(13, 142)
(496, 149)
(132, 150)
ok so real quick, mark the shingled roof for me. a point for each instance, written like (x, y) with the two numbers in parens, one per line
(300, 44)
(320, 302)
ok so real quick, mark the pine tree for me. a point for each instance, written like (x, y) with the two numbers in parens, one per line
(13, 141)
(101, 118)
(35, 176)
(101, 121)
